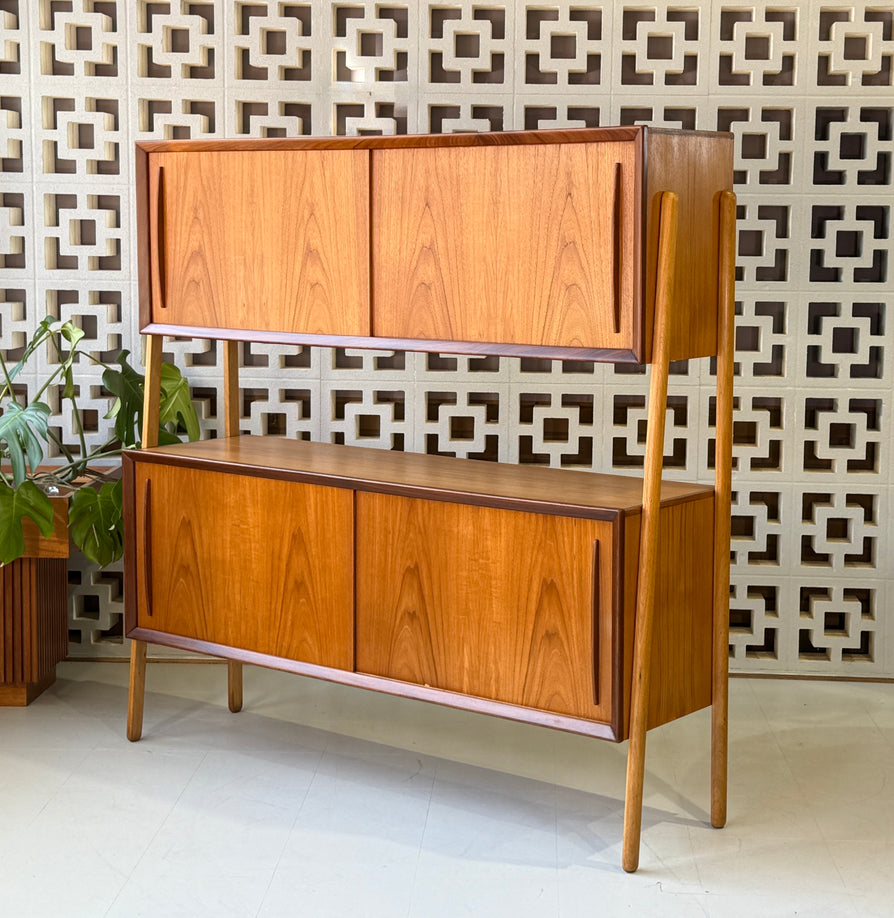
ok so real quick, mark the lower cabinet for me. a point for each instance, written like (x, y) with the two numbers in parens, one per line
(510, 591)
(247, 562)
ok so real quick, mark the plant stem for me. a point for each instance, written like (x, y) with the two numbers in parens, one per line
(7, 386)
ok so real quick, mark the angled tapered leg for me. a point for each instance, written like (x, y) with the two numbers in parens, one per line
(149, 437)
(137, 690)
(648, 553)
(722, 498)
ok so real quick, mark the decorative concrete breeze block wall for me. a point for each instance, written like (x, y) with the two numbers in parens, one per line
(805, 87)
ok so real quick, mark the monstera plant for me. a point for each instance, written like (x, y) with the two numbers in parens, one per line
(88, 477)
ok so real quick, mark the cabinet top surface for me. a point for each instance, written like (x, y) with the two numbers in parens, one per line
(437, 477)
(407, 141)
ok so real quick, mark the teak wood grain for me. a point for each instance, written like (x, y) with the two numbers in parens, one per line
(273, 241)
(698, 168)
(681, 661)
(518, 244)
(567, 492)
(686, 539)
(492, 603)
(405, 141)
(682, 626)
(257, 564)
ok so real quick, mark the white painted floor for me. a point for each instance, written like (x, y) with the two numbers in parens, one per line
(318, 800)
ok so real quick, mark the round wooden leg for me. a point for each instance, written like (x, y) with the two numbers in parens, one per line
(234, 685)
(137, 690)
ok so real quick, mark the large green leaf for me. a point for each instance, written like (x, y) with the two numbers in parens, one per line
(126, 385)
(24, 430)
(176, 405)
(96, 524)
(94, 515)
(15, 504)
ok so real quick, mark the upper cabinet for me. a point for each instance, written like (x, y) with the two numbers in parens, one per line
(259, 240)
(540, 243)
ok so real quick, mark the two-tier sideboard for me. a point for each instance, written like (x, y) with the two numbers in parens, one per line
(591, 603)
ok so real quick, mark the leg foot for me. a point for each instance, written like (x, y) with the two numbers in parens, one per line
(633, 803)
(719, 758)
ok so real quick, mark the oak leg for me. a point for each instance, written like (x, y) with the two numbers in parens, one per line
(642, 668)
(151, 391)
(633, 801)
(137, 690)
(149, 437)
(234, 685)
(722, 497)
(719, 759)
(648, 552)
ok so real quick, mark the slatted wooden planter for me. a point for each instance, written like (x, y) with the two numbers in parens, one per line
(33, 612)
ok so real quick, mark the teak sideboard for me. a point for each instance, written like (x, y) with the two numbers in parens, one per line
(591, 603)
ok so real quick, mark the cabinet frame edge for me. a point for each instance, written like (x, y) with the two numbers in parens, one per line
(473, 704)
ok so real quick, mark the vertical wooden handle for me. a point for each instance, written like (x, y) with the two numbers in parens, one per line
(147, 544)
(157, 241)
(595, 619)
(616, 251)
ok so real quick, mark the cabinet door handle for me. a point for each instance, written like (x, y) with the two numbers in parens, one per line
(157, 253)
(594, 616)
(616, 250)
(147, 544)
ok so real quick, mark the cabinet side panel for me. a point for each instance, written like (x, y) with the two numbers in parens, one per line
(530, 245)
(492, 603)
(266, 240)
(683, 622)
(697, 168)
(246, 562)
